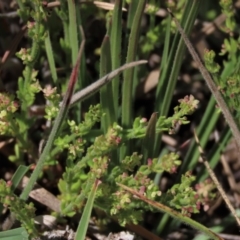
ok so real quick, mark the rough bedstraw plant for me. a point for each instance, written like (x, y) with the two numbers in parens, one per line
(97, 156)
(102, 157)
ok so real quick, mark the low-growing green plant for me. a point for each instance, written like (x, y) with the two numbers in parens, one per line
(112, 157)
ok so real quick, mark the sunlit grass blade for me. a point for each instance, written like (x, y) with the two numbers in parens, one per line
(172, 213)
(83, 224)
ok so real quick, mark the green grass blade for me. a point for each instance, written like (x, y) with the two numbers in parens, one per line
(165, 91)
(149, 139)
(131, 13)
(162, 83)
(50, 56)
(207, 124)
(73, 30)
(163, 80)
(128, 74)
(62, 13)
(189, 16)
(74, 23)
(162, 224)
(215, 154)
(18, 175)
(115, 39)
(82, 74)
(14, 234)
(127, 89)
(106, 95)
(158, 176)
(83, 225)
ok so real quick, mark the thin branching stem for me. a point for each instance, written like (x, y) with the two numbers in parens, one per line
(214, 178)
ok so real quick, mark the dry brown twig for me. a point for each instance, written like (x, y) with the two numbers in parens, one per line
(211, 84)
(214, 179)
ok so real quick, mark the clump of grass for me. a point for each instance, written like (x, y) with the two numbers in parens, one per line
(113, 159)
